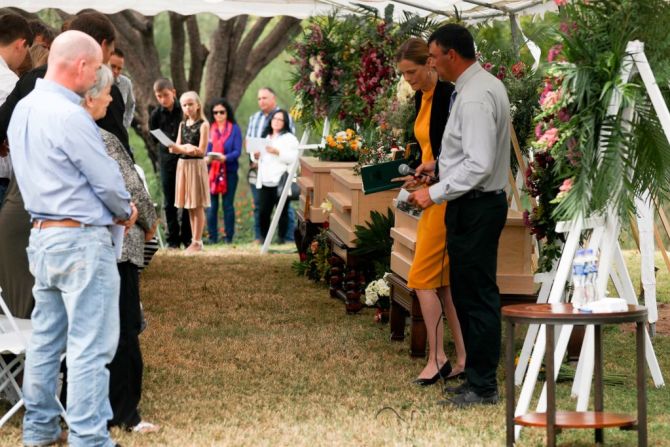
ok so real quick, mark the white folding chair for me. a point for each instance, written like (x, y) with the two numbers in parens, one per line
(14, 336)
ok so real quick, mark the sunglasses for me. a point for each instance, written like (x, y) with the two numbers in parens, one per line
(219, 112)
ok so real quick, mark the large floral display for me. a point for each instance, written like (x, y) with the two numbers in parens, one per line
(588, 160)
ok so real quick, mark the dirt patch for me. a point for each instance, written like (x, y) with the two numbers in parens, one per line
(663, 323)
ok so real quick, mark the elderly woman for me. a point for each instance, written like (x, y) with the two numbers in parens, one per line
(125, 385)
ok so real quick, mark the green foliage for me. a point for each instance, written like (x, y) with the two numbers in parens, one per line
(315, 265)
(593, 159)
(373, 243)
(622, 156)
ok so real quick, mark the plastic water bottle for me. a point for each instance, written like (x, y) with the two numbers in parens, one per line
(591, 272)
(578, 279)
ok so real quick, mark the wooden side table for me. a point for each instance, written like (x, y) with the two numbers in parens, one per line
(560, 314)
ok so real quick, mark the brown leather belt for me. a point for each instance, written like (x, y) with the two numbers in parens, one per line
(71, 223)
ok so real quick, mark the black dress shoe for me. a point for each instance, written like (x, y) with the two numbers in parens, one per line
(459, 376)
(457, 389)
(471, 398)
(443, 373)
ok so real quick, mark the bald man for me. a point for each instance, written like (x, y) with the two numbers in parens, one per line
(73, 192)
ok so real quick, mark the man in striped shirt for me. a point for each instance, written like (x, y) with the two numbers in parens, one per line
(267, 102)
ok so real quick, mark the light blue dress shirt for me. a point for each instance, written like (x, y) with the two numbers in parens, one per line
(475, 153)
(60, 162)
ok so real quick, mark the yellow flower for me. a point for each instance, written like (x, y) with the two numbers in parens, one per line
(296, 112)
(326, 206)
(350, 134)
(330, 141)
(340, 147)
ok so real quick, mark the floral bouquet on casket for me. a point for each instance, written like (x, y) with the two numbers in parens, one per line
(378, 293)
(344, 145)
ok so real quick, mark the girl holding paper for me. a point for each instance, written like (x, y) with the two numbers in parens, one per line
(192, 189)
(223, 151)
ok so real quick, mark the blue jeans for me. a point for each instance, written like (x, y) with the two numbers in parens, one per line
(76, 308)
(228, 202)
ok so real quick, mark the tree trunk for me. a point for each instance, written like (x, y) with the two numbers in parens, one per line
(135, 35)
(177, 52)
(236, 60)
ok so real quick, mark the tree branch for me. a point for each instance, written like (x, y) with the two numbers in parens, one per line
(273, 44)
(136, 20)
(245, 46)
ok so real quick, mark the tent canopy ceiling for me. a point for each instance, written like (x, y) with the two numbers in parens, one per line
(470, 9)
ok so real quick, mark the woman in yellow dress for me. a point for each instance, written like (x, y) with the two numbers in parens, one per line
(429, 274)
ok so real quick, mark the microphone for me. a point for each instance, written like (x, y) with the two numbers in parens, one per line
(406, 170)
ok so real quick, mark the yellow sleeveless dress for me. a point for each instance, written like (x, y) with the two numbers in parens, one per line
(430, 268)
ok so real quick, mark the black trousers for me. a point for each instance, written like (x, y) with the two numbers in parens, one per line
(125, 371)
(268, 199)
(474, 227)
(177, 232)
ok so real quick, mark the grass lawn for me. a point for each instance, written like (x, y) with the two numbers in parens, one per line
(240, 351)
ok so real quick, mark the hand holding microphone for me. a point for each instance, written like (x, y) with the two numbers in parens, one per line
(406, 170)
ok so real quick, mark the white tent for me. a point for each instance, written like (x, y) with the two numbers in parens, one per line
(470, 9)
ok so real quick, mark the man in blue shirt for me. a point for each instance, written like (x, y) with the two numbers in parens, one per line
(73, 192)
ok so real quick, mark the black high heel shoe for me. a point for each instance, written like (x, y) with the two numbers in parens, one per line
(443, 372)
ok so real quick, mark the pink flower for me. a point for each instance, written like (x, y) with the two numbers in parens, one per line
(561, 2)
(518, 69)
(554, 52)
(538, 130)
(566, 186)
(550, 99)
(550, 137)
(488, 66)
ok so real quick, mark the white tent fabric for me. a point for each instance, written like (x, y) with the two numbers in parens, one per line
(470, 9)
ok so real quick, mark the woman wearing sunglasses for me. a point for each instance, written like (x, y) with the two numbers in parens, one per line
(223, 151)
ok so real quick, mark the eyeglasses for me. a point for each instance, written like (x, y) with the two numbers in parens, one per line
(219, 112)
(278, 118)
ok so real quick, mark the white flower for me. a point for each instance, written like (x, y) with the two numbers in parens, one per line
(371, 296)
(404, 91)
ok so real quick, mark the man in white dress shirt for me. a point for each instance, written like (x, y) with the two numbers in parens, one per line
(473, 167)
(116, 62)
(15, 39)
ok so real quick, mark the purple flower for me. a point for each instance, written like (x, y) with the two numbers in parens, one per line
(564, 115)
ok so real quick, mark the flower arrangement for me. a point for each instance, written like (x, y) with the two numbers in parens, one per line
(318, 60)
(378, 294)
(314, 263)
(586, 159)
(345, 145)
(377, 290)
(343, 66)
